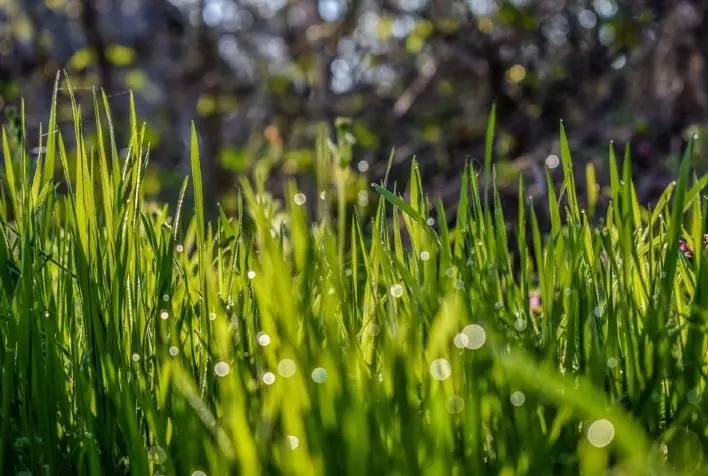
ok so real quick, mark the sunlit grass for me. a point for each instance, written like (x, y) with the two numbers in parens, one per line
(135, 341)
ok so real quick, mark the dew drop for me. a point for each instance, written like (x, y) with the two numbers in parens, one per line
(323, 195)
(601, 433)
(269, 378)
(300, 199)
(612, 362)
(440, 369)
(348, 272)
(694, 396)
(251, 274)
(520, 324)
(263, 338)
(430, 221)
(179, 248)
(450, 272)
(198, 473)
(476, 336)
(424, 255)
(459, 284)
(286, 368)
(166, 297)
(136, 357)
(212, 316)
(461, 340)
(319, 375)
(455, 404)
(292, 442)
(567, 291)
(373, 329)
(517, 398)
(552, 161)
(174, 351)
(157, 455)
(363, 166)
(597, 311)
(396, 290)
(164, 315)
(222, 369)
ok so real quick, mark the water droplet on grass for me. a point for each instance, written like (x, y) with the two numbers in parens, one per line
(396, 290)
(251, 274)
(212, 316)
(373, 329)
(269, 378)
(286, 368)
(348, 272)
(597, 311)
(461, 340)
(198, 473)
(174, 351)
(424, 255)
(476, 336)
(136, 357)
(459, 284)
(694, 396)
(517, 398)
(222, 369)
(292, 442)
(164, 315)
(179, 248)
(165, 297)
(552, 161)
(319, 375)
(520, 324)
(567, 291)
(263, 338)
(157, 455)
(455, 404)
(450, 272)
(601, 433)
(363, 166)
(440, 369)
(612, 362)
(300, 199)
(430, 221)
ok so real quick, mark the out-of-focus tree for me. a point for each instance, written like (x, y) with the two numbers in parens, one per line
(421, 75)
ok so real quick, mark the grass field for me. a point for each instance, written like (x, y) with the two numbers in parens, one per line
(133, 342)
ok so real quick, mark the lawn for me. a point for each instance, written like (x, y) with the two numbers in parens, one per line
(142, 339)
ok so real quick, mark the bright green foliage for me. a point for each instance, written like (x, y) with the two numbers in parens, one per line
(136, 342)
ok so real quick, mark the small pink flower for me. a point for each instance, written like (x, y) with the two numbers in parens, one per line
(686, 250)
(535, 304)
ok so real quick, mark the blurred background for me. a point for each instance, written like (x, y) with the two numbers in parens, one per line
(263, 77)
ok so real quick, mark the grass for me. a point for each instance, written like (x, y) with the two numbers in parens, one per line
(136, 342)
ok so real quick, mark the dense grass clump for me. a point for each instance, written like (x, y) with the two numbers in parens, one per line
(136, 342)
